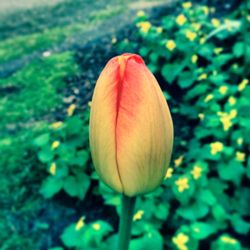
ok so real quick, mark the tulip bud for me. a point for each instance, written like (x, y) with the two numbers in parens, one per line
(131, 130)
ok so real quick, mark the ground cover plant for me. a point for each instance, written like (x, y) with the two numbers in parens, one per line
(200, 58)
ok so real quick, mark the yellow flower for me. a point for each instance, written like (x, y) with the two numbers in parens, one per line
(206, 10)
(191, 35)
(228, 240)
(181, 19)
(217, 51)
(202, 77)
(178, 161)
(208, 98)
(56, 125)
(169, 173)
(170, 45)
(196, 172)
(114, 40)
(71, 109)
(182, 184)
(187, 5)
(52, 168)
(240, 141)
(159, 29)
(96, 226)
(243, 84)
(215, 22)
(144, 26)
(140, 13)
(240, 156)
(231, 100)
(138, 215)
(226, 122)
(201, 116)
(180, 241)
(194, 58)
(55, 144)
(223, 90)
(202, 40)
(196, 26)
(80, 224)
(233, 113)
(248, 18)
(216, 147)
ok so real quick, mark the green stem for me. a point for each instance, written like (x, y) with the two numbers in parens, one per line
(126, 217)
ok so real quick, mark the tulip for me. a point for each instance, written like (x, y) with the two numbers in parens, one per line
(131, 130)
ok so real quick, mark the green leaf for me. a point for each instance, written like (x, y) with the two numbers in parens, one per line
(206, 196)
(170, 71)
(186, 79)
(192, 212)
(50, 186)
(151, 240)
(71, 237)
(201, 230)
(240, 226)
(77, 185)
(161, 211)
(238, 49)
(42, 140)
(45, 155)
(231, 171)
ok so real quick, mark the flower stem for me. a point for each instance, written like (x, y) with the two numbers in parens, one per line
(128, 204)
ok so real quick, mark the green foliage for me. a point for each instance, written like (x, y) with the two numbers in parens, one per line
(66, 155)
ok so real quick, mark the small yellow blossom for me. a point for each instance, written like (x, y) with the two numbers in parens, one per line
(194, 58)
(201, 116)
(56, 125)
(196, 26)
(196, 172)
(159, 29)
(228, 240)
(231, 100)
(187, 5)
(216, 147)
(208, 98)
(223, 90)
(226, 122)
(71, 109)
(202, 77)
(96, 226)
(248, 18)
(180, 241)
(140, 13)
(233, 113)
(212, 9)
(169, 173)
(240, 141)
(170, 45)
(114, 40)
(215, 22)
(202, 40)
(144, 26)
(80, 223)
(240, 156)
(178, 161)
(206, 10)
(181, 19)
(217, 51)
(52, 168)
(55, 144)
(190, 35)
(182, 184)
(243, 84)
(138, 215)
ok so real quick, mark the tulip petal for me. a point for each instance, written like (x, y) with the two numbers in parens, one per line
(144, 130)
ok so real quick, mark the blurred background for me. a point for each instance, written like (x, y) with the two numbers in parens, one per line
(51, 53)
